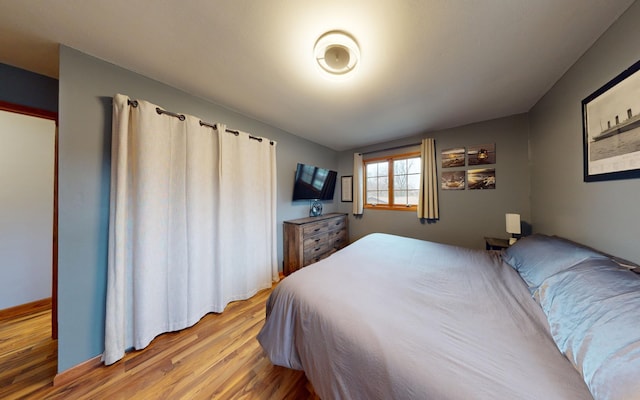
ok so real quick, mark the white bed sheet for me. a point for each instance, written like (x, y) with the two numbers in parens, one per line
(397, 318)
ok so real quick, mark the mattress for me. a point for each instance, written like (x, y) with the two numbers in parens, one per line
(390, 317)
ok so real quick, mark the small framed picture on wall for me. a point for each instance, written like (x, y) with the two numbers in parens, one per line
(611, 129)
(453, 157)
(482, 154)
(346, 186)
(481, 178)
(452, 180)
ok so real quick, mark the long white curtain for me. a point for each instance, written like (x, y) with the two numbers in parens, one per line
(428, 206)
(192, 223)
(248, 204)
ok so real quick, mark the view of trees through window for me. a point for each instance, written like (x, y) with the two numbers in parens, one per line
(393, 182)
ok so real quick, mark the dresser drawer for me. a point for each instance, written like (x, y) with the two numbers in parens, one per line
(316, 253)
(337, 239)
(312, 260)
(315, 228)
(337, 224)
(316, 240)
(328, 244)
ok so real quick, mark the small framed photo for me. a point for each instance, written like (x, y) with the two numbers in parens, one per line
(346, 186)
(481, 178)
(453, 157)
(611, 129)
(452, 180)
(482, 154)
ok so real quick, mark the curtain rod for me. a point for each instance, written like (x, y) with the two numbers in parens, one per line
(391, 148)
(181, 117)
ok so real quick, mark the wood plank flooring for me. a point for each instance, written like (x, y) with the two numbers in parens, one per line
(28, 355)
(218, 358)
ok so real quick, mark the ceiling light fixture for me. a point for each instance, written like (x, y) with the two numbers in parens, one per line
(337, 53)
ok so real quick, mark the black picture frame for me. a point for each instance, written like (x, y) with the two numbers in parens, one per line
(346, 186)
(611, 129)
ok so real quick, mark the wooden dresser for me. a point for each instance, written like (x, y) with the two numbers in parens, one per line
(307, 240)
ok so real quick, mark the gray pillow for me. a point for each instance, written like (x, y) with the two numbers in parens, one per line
(538, 257)
(592, 309)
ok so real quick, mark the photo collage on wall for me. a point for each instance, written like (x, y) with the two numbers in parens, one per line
(455, 175)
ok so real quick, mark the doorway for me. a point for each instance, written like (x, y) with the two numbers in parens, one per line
(28, 207)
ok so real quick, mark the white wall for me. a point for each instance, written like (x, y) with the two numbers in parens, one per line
(26, 208)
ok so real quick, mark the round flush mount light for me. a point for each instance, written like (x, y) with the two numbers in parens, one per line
(337, 53)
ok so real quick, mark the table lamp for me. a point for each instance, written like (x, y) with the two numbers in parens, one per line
(513, 226)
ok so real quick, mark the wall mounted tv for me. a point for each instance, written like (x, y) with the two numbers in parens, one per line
(313, 183)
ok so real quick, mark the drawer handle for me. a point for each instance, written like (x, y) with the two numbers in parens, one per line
(316, 230)
(317, 240)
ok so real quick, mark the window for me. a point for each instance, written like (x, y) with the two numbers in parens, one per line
(393, 182)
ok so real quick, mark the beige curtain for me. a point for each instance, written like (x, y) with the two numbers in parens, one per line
(428, 201)
(192, 223)
(358, 184)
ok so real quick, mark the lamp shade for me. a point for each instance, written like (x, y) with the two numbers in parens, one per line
(513, 223)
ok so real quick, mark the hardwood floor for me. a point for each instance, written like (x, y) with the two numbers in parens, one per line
(217, 358)
(28, 355)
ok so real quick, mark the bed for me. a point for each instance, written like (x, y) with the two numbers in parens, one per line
(390, 317)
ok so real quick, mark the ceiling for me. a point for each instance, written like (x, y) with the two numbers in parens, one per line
(425, 64)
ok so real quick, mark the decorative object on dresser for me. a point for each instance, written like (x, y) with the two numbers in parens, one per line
(316, 209)
(307, 240)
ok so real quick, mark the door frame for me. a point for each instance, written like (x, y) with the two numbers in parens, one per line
(50, 115)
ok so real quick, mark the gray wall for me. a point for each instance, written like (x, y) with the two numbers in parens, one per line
(467, 216)
(604, 215)
(28, 89)
(600, 214)
(86, 88)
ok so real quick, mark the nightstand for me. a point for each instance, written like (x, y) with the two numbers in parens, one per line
(496, 243)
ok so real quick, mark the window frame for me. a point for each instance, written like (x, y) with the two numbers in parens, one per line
(390, 159)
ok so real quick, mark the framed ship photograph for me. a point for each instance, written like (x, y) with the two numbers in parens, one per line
(452, 180)
(611, 129)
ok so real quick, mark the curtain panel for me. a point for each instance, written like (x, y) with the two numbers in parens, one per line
(358, 184)
(428, 206)
(192, 223)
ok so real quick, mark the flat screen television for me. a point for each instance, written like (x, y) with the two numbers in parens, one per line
(313, 183)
